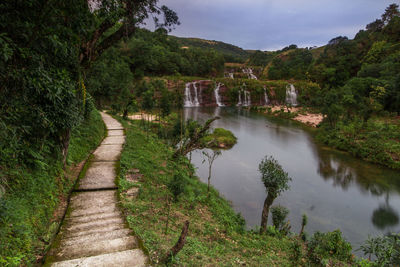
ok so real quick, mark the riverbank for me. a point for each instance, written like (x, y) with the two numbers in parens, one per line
(217, 236)
(375, 141)
(303, 115)
(31, 211)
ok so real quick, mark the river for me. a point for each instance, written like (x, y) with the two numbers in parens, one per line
(334, 189)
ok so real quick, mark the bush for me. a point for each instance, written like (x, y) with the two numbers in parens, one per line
(177, 186)
(330, 245)
(279, 215)
(386, 250)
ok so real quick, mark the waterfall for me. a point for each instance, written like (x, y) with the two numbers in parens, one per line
(240, 99)
(231, 75)
(217, 96)
(266, 96)
(196, 96)
(249, 73)
(291, 95)
(188, 96)
(189, 100)
(247, 99)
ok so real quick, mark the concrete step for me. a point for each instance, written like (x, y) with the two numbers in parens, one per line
(80, 227)
(96, 206)
(92, 217)
(114, 140)
(95, 237)
(86, 212)
(107, 153)
(115, 132)
(127, 258)
(93, 200)
(99, 175)
(105, 229)
(93, 195)
(95, 248)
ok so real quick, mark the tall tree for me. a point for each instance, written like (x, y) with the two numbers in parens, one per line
(390, 12)
(46, 48)
(117, 19)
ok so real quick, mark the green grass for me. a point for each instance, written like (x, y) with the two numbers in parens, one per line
(26, 210)
(217, 236)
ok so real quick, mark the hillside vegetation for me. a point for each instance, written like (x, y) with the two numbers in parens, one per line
(230, 52)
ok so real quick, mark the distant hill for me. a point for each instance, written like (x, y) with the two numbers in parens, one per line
(231, 52)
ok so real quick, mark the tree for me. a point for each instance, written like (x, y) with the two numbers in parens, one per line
(47, 48)
(193, 137)
(375, 26)
(276, 181)
(121, 18)
(390, 12)
(165, 103)
(211, 157)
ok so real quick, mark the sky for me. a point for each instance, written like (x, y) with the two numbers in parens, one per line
(274, 24)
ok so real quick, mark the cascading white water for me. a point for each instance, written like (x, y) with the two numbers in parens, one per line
(240, 99)
(191, 101)
(291, 95)
(217, 96)
(247, 99)
(249, 73)
(266, 100)
(196, 102)
(188, 96)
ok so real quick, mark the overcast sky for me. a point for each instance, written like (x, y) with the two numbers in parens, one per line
(274, 24)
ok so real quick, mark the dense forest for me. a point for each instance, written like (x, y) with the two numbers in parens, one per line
(61, 61)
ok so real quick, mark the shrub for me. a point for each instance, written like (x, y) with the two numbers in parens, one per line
(177, 186)
(279, 215)
(386, 249)
(330, 245)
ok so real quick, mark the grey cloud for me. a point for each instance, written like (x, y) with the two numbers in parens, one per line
(273, 24)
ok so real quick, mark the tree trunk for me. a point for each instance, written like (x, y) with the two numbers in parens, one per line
(65, 138)
(264, 217)
(301, 230)
(179, 245)
(209, 178)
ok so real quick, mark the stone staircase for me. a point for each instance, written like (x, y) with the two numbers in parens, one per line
(94, 232)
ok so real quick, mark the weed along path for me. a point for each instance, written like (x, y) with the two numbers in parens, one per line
(94, 232)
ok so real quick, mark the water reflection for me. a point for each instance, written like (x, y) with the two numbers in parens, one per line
(334, 189)
(385, 217)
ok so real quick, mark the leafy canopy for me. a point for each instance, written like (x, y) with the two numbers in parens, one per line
(275, 179)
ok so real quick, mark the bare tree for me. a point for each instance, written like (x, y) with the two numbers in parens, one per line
(210, 157)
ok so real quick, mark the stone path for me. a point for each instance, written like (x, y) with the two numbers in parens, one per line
(94, 232)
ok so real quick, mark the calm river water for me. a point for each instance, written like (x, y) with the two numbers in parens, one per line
(334, 189)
